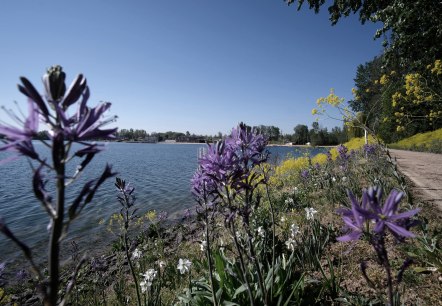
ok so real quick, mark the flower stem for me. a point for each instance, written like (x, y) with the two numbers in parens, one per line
(58, 154)
(126, 246)
(209, 258)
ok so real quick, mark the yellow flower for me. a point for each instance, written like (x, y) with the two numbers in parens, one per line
(314, 111)
(383, 80)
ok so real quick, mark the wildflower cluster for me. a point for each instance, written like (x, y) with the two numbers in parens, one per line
(148, 278)
(228, 169)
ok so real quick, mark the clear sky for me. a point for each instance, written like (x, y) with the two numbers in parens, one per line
(198, 65)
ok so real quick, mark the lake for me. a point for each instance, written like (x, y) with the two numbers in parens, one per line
(160, 173)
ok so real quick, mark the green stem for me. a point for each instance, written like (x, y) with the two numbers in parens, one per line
(241, 261)
(58, 154)
(272, 214)
(209, 258)
(126, 246)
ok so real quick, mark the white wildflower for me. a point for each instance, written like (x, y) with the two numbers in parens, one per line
(148, 276)
(184, 265)
(294, 230)
(282, 219)
(310, 212)
(290, 243)
(203, 246)
(333, 179)
(261, 232)
(344, 178)
(136, 254)
(289, 201)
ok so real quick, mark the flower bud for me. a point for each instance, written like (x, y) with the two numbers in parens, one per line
(54, 83)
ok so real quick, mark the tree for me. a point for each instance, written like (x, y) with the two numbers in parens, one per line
(301, 135)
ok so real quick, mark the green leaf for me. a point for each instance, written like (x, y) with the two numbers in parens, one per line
(239, 290)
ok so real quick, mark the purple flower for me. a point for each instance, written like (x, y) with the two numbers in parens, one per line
(20, 140)
(387, 216)
(248, 145)
(354, 218)
(226, 170)
(370, 210)
(329, 156)
(162, 216)
(369, 149)
(187, 213)
(304, 174)
(342, 151)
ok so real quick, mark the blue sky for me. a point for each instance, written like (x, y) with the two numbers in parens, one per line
(199, 66)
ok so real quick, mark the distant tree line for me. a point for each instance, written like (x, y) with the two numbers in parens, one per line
(302, 135)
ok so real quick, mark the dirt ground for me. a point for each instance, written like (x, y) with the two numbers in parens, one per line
(425, 171)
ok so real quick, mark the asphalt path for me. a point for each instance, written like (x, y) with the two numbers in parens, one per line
(425, 171)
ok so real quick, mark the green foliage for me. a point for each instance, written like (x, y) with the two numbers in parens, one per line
(428, 250)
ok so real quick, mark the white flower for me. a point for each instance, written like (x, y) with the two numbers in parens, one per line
(295, 189)
(136, 254)
(162, 264)
(289, 201)
(344, 179)
(309, 213)
(261, 232)
(149, 276)
(282, 219)
(203, 245)
(290, 243)
(184, 265)
(294, 230)
(333, 179)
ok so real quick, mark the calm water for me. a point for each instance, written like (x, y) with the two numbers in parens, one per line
(160, 173)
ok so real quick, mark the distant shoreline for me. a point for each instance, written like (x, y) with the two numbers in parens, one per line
(199, 143)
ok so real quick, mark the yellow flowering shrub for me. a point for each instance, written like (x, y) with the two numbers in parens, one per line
(419, 140)
(420, 97)
(289, 170)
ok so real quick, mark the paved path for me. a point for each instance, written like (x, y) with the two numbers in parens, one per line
(425, 171)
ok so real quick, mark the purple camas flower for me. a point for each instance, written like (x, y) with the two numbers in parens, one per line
(304, 174)
(370, 210)
(85, 124)
(329, 156)
(19, 139)
(228, 163)
(387, 216)
(369, 149)
(342, 151)
(227, 169)
(354, 218)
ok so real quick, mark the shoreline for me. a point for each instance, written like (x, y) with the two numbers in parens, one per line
(200, 143)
